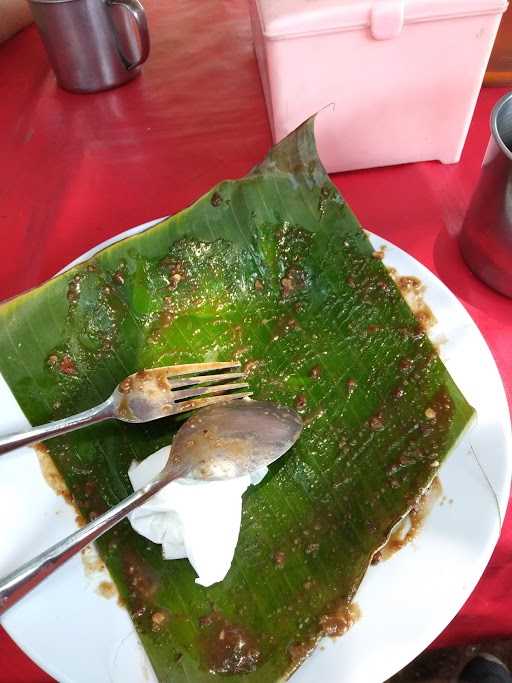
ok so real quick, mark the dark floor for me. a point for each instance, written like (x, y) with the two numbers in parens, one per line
(442, 666)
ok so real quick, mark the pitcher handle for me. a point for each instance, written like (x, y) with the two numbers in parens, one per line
(137, 11)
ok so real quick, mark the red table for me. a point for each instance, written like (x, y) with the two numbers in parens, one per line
(76, 169)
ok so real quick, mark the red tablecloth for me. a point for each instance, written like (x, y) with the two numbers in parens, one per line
(76, 169)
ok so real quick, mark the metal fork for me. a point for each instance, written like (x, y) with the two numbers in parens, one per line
(148, 395)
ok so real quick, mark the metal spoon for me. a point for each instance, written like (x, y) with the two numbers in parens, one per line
(218, 442)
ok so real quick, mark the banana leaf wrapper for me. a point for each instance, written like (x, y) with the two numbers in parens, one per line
(275, 271)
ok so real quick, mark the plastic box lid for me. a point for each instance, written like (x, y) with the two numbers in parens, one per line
(385, 18)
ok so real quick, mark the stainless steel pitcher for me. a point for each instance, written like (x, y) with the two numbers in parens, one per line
(486, 235)
(92, 44)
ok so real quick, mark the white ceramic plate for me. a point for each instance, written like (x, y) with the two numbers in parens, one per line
(77, 636)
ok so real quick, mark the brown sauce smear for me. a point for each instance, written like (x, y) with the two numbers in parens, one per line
(67, 365)
(413, 291)
(92, 563)
(142, 585)
(338, 622)
(333, 623)
(227, 648)
(299, 652)
(292, 281)
(51, 474)
(407, 529)
(107, 590)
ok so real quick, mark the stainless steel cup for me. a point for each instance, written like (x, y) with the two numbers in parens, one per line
(486, 235)
(92, 44)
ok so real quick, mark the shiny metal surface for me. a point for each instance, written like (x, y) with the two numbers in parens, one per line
(231, 439)
(486, 235)
(219, 442)
(148, 395)
(92, 44)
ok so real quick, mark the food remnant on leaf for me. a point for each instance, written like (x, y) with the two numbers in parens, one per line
(175, 280)
(228, 648)
(292, 281)
(250, 366)
(142, 585)
(51, 474)
(207, 620)
(279, 559)
(74, 289)
(299, 652)
(67, 365)
(430, 414)
(165, 319)
(216, 199)
(407, 282)
(309, 419)
(158, 619)
(351, 386)
(315, 372)
(413, 290)
(376, 422)
(300, 402)
(118, 277)
(405, 364)
(339, 622)
(408, 528)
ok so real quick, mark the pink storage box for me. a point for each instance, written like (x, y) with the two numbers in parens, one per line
(394, 81)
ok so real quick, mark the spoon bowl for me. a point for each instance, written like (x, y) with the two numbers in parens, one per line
(233, 439)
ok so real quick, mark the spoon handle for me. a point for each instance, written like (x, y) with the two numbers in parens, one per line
(104, 411)
(19, 582)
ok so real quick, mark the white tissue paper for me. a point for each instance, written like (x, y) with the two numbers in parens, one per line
(192, 518)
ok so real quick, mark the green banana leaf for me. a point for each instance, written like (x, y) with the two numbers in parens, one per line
(273, 270)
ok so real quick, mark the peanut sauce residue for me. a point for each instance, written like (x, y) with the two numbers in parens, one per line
(336, 622)
(227, 648)
(54, 479)
(333, 623)
(413, 291)
(107, 590)
(51, 474)
(91, 562)
(407, 529)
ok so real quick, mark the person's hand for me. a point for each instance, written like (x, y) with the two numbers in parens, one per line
(14, 15)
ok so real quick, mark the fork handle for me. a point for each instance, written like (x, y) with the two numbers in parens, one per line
(103, 411)
(21, 581)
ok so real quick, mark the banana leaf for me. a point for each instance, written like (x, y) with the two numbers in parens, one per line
(273, 270)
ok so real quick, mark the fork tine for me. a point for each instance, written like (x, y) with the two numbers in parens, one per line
(195, 368)
(202, 402)
(213, 389)
(201, 379)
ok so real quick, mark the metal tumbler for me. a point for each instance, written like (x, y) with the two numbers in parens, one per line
(92, 44)
(486, 235)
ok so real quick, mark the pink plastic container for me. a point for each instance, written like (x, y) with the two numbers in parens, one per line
(394, 81)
